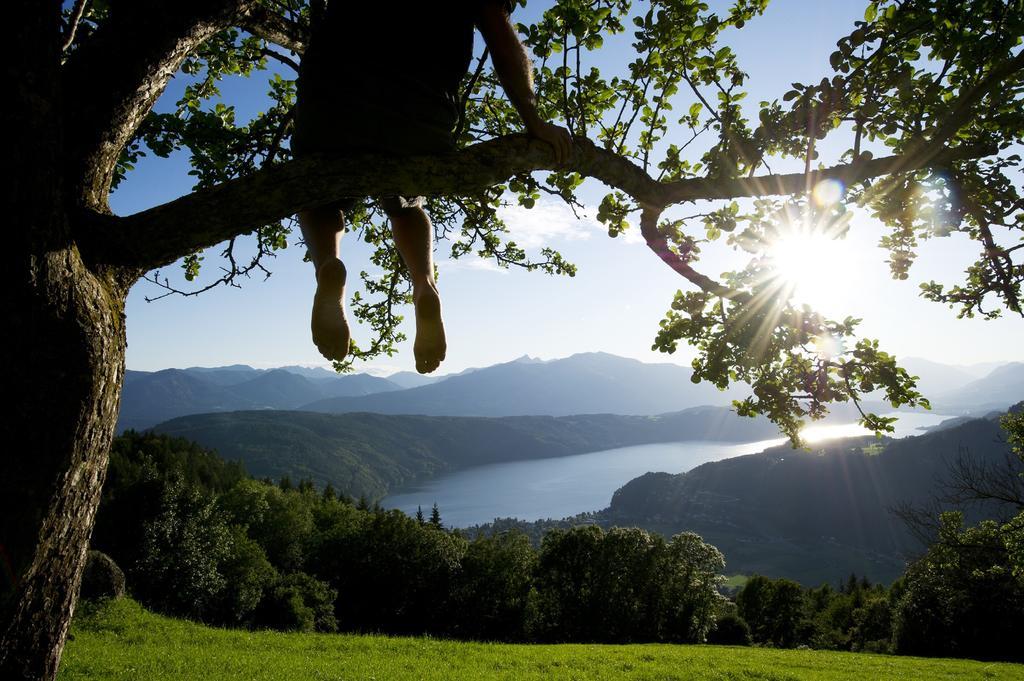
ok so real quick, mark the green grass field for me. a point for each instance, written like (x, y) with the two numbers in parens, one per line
(120, 640)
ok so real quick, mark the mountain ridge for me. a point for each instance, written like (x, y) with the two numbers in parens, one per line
(998, 389)
(148, 398)
(366, 454)
(582, 383)
(585, 383)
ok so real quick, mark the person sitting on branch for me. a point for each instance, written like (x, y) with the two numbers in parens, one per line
(382, 79)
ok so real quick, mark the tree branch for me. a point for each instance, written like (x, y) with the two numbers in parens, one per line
(73, 20)
(284, 59)
(135, 52)
(965, 104)
(162, 234)
(696, 189)
(660, 246)
(274, 28)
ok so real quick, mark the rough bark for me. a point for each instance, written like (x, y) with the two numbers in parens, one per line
(64, 362)
(67, 369)
(275, 29)
(111, 83)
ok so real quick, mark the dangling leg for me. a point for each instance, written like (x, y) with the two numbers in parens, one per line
(413, 236)
(321, 230)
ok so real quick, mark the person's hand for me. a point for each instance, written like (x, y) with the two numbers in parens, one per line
(558, 137)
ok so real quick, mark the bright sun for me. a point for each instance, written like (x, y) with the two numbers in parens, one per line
(813, 262)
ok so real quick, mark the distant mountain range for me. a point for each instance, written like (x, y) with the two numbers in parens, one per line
(371, 454)
(1001, 387)
(410, 379)
(582, 384)
(589, 383)
(936, 379)
(586, 383)
(148, 398)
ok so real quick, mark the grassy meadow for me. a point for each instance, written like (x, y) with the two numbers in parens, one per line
(120, 640)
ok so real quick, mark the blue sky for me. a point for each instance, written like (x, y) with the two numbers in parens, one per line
(621, 291)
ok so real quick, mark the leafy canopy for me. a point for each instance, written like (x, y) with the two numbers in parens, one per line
(934, 84)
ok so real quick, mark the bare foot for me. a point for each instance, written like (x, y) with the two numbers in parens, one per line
(430, 345)
(330, 329)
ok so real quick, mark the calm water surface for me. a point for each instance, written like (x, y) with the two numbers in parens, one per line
(564, 486)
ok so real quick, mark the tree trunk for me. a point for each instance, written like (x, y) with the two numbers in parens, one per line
(64, 361)
(68, 381)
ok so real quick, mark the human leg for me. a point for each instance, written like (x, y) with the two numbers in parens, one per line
(403, 120)
(321, 230)
(413, 235)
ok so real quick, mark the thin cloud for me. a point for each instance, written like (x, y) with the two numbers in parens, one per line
(547, 222)
(471, 262)
(550, 223)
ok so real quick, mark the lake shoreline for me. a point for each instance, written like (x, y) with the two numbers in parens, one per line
(566, 486)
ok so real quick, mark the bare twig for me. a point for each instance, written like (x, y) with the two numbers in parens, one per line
(77, 12)
(274, 54)
(460, 128)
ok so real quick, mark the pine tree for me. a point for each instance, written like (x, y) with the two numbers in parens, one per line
(435, 516)
(419, 515)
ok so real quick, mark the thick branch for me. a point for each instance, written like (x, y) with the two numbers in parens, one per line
(284, 59)
(274, 28)
(697, 189)
(112, 81)
(163, 234)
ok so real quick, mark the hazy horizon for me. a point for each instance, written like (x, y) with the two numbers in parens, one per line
(383, 371)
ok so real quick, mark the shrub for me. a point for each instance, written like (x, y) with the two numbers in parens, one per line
(730, 630)
(184, 547)
(247, 575)
(298, 602)
(962, 598)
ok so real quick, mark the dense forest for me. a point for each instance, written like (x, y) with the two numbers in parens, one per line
(200, 539)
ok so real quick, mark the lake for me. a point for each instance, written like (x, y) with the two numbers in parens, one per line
(564, 486)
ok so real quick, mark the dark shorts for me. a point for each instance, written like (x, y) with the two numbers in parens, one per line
(360, 113)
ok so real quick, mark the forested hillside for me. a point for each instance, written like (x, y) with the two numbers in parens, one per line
(197, 538)
(812, 515)
(370, 454)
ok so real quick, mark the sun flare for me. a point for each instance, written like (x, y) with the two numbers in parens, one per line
(814, 266)
(811, 259)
